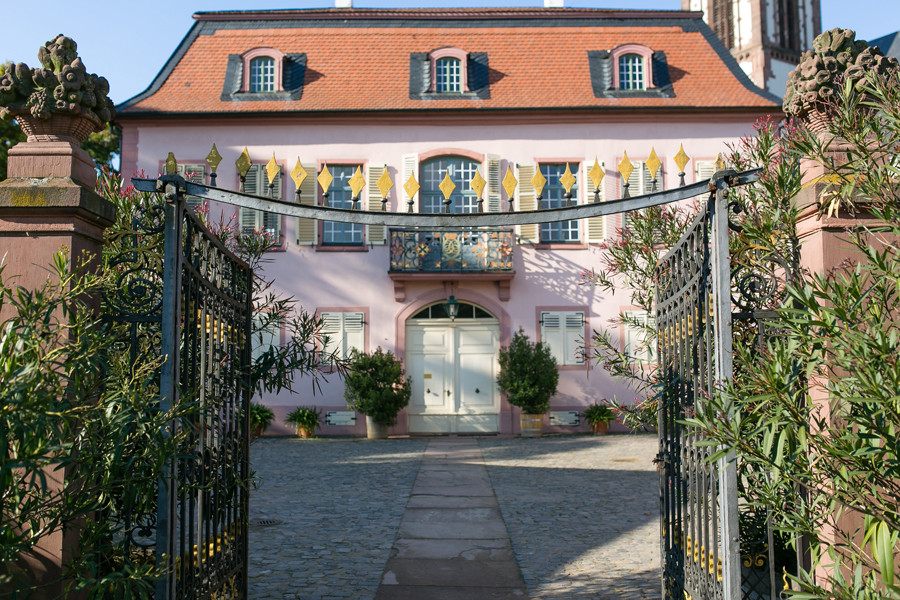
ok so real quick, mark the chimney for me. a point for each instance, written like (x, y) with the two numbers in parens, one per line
(343, 3)
(554, 3)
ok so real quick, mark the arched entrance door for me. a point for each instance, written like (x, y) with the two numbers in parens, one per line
(453, 367)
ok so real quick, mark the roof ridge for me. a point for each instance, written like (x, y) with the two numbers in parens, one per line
(431, 13)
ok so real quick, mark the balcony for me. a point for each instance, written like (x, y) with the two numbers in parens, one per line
(453, 255)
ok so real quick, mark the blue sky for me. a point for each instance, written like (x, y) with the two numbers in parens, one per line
(128, 42)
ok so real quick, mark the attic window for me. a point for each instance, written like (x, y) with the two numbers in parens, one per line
(448, 71)
(262, 71)
(262, 74)
(632, 67)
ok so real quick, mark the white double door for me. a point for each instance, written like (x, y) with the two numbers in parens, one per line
(453, 368)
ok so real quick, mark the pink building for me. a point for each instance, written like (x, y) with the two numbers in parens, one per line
(435, 93)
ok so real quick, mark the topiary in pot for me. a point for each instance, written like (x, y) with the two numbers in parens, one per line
(376, 386)
(529, 377)
(260, 418)
(306, 419)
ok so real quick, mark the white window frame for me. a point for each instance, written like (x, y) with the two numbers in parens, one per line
(262, 75)
(563, 331)
(548, 230)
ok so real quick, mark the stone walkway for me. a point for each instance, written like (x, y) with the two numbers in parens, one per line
(579, 513)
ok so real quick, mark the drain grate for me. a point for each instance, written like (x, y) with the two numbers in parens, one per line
(264, 522)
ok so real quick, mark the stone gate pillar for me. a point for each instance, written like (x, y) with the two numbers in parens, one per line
(825, 247)
(48, 203)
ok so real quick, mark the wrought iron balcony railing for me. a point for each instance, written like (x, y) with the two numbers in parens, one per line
(457, 251)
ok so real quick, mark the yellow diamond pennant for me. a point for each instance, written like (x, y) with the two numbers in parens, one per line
(325, 178)
(477, 184)
(567, 179)
(681, 159)
(538, 181)
(171, 164)
(357, 182)
(243, 163)
(625, 167)
(596, 174)
(411, 186)
(653, 163)
(272, 169)
(720, 162)
(384, 183)
(299, 174)
(509, 182)
(447, 186)
(213, 158)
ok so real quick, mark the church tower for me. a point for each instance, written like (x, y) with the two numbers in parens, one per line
(765, 36)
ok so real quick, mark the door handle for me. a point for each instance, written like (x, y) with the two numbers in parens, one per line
(428, 391)
(477, 391)
(448, 392)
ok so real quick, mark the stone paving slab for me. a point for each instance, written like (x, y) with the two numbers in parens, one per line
(400, 592)
(452, 573)
(483, 550)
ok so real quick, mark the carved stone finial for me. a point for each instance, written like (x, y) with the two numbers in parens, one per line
(60, 86)
(836, 58)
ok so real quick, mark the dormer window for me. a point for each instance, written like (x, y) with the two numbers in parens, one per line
(262, 71)
(448, 75)
(448, 71)
(262, 74)
(632, 70)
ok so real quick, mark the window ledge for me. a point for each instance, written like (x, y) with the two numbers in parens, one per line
(561, 246)
(342, 248)
(582, 367)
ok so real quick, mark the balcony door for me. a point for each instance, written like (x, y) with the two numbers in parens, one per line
(453, 368)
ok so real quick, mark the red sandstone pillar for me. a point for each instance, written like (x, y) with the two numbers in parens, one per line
(48, 203)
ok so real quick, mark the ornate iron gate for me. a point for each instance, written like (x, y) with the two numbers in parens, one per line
(204, 497)
(698, 499)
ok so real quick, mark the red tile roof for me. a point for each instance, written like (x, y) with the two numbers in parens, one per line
(359, 60)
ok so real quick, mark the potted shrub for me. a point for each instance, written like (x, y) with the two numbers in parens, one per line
(529, 377)
(376, 386)
(305, 419)
(260, 418)
(599, 415)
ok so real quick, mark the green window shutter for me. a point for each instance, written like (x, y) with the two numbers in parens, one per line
(307, 229)
(375, 233)
(596, 226)
(410, 167)
(493, 183)
(526, 199)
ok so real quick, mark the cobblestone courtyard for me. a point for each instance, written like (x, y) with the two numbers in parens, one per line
(580, 511)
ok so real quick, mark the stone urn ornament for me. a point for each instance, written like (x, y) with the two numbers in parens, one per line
(837, 60)
(58, 101)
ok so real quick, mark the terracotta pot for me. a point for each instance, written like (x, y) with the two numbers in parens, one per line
(305, 432)
(60, 127)
(256, 432)
(599, 428)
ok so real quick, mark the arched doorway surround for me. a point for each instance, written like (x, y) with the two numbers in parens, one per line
(453, 364)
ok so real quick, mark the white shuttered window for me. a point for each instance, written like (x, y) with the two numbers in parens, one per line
(636, 345)
(346, 331)
(563, 331)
